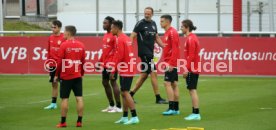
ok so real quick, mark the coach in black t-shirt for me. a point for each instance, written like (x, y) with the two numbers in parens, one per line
(146, 32)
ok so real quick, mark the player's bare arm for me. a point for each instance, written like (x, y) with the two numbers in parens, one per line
(133, 35)
(159, 41)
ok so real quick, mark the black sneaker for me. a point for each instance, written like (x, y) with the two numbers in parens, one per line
(161, 101)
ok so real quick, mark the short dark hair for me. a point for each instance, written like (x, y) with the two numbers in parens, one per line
(72, 29)
(150, 8)
(118, 23)
(57, 23)
(188, 23)
(109, 19)
(167, 16)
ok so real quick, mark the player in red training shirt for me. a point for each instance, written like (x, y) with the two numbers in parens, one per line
(110, 85)
(191, 55)
(171, 55)
(124, 64)
(54, 43)
(70, 69)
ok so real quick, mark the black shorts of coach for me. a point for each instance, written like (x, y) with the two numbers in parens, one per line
(147, 64)
(125, 83)
(106, 75)
(52, 73)
(192, 80)
(171, 76)
(73, 84)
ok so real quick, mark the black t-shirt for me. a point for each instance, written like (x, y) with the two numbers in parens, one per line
(146, 35)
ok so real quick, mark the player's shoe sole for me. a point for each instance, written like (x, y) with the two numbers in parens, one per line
(168, 113)
(61, 125)
(132, 121)
(79, 124)
(193, 117)
(51, 106)
(109, 108)
(161, 101)
(122, 120)
(115, 110)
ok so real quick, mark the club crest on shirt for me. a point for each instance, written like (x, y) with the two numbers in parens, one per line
(59, 42)
(108, 40)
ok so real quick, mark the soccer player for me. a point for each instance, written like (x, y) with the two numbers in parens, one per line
(124, 55)
(171, 55)
(191, 54)
(70, 69)
(108, 53)
(146, 32)
(54, 43)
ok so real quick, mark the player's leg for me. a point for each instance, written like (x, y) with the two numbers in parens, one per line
(65, 89)
(125, 83)
(116, 93)
(54, 92)
(64, 107)
(142, 78)
(176, 97)
(175, 91)
(53, 104)
(171, 79)
(154, 82)
(170, 95)
(145, 71)
(191, 81)
(80, 106)
(77, 89)
(124, 118)
(131, 106)
(108, 91)
(129, 100)
(64, 110)
(194, 96)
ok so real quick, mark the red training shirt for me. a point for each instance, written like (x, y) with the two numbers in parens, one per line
(171, 51)
(124, 54)
(54, 43)
(71, 60)
(191, 53)
(108, 48)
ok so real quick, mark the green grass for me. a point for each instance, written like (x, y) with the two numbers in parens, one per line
(227, 103)
(22, 26)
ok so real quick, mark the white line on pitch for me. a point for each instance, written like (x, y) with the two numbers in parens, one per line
(91, 94)
(266, 108)
(39, 101)
(42, 101)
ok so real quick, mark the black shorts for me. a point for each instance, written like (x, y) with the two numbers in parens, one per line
(73, 84)
(147, 64)
(171, 76)
(191, 80)
(106, 75)
(125, 83)
(52, 74)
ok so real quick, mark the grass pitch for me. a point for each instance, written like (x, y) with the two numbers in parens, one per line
(226, 103)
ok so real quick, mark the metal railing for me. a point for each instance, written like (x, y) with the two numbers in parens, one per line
(201, 33)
